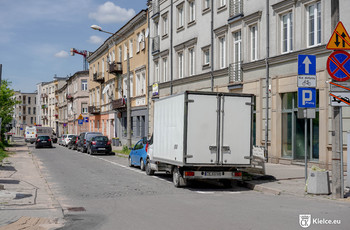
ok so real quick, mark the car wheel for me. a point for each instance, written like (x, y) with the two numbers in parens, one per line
(129, 162)
(149, 171)
(142, 165)
(178, 180)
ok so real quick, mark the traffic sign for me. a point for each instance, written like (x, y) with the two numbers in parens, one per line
(306, 97)
(86, 119)
(306, 64)
(307, 81)
(338, 65)
(340, 39)
(80, 117)
(343, 86)
(80, 122)
(340, 98)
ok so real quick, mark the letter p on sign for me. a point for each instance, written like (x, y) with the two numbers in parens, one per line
(306, 97)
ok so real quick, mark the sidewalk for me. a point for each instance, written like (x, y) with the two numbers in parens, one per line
(26, 201)
(284, 179)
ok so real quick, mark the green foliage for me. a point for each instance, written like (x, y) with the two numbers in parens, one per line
(7, 103)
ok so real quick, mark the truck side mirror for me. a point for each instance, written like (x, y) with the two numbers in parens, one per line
(144, 140)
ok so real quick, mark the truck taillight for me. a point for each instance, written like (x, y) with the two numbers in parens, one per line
(238, 174)
(189, 173)
(93, 142)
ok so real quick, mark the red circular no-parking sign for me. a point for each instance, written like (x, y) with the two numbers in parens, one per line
(338, 65)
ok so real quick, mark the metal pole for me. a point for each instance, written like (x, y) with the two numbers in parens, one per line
(128, 104)
(0, 74)
(305, 125)
(212, 48)
(267, 79)
(341, 154)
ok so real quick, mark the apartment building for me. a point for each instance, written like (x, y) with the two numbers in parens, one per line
(24, 112)
(108, 81)
(250, 47)
(62, 109)
(77, 101)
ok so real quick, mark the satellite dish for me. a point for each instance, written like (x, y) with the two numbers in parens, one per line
(147, 33)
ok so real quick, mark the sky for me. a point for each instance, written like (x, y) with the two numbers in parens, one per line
(36, 36)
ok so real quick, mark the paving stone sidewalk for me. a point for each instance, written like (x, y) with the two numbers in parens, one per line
(26, 202)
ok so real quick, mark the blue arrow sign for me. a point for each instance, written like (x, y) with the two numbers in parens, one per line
(306, 98)
(306, 64)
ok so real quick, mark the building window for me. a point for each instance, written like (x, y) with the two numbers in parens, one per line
(131, 50)
(180, 16)
(84, 85)
(34, 110)
(314, 24)
(222, 3)
(156, 71)
(206, 56)
(192, 10)
(29, 110)
(222, 52)
(254, 43)
(125, 51)
(191, 56)
(113, 56)
(206, 4)
(180, 64)
(165, 69)
(103, 67)
(156, 28)
(120, 54)
(31, 120)
(84, 108)
(165, 25)
(138, 42)
(287, 32)
(293, 135)
(29, 98)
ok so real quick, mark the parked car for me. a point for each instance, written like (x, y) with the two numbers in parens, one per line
(99, 144)
(43, 141)
(138, 154)
(54, 138)
(60, 141)
(72, 144)
(67, 139)
(84, 139)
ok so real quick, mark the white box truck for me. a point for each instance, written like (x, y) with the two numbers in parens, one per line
(201, 135)
(32, 132)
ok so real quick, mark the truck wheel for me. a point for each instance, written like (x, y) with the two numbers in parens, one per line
(142, 165)
(149, 171)
(178, 180)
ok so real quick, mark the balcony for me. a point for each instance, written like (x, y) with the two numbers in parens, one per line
(43, 95)
(119, 104)
(44, 117)
(69, 97)
(155, 44)
(155, 8)
(94, 109)
(235, 72)
(98, 78)
(236, 8)
(44, 106)
(115, 68)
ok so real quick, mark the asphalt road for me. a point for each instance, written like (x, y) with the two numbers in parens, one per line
(101, 192)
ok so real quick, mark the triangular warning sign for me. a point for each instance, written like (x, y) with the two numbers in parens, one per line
(340, 39)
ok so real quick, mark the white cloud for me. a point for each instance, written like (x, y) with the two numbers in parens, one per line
(110, 13)
(62, 54)
(96, 40)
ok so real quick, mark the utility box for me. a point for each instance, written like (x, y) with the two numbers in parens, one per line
(318, 183)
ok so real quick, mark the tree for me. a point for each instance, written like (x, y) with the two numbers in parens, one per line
(7, 103)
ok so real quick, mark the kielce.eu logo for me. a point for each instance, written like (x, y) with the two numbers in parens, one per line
(305, 220)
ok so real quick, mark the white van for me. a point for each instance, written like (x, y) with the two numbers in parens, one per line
(32, 132)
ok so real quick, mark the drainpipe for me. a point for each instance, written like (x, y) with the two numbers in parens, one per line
(148, 72)
(212, 47)
(171, 47)
(267, 79)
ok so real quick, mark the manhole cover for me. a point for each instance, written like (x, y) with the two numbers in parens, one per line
(76, 209)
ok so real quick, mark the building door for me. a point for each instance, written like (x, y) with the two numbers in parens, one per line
(293, 131)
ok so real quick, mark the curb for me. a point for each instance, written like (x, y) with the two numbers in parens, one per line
(261, 188)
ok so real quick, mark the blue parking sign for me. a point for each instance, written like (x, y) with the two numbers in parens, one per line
(80, 122)
(306, 98)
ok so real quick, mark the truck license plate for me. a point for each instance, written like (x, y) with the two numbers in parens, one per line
(213, 174)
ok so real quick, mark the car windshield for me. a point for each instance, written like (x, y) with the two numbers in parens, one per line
(44, 138)
(70, 136)
(101, 138)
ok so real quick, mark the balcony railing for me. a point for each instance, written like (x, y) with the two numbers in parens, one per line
(235, 72)
(43, 95)
(98, 77)
(155, 44)
(115, 68)
(155, 7)
(236, 8)
(69, 97)
(119, 104)
(94, 109)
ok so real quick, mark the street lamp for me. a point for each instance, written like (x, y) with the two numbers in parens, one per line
(128, 101)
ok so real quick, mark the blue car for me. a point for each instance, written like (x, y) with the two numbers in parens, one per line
(138, 154)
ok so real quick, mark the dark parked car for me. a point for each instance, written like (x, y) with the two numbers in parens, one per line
(84, 139)
(72, 144)
(43, 141)
(99, 144)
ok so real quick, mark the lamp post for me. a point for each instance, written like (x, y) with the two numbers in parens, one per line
(128, 101)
